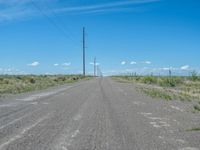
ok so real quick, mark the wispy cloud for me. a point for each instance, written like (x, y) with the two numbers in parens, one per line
(168, 68)
(165, 68)
(67, 64)
(15, 9)
(56, 65)
(34, 64)
(97, 64)
(186, 67)
(147, 62)
(133, 62)
(103, 7)
(12, 9)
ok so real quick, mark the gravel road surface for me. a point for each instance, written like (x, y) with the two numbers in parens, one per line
(98, 114)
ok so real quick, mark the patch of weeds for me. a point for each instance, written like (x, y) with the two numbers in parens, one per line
(148, 80)
(184, 97)
(173, 87)
(194, 129)
(196, 107)
(155, 93)
(169, 81)
(194, 76)
(123, 79)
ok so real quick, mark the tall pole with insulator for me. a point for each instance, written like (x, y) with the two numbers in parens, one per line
(83, 51)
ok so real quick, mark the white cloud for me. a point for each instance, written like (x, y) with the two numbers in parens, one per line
(128, 70)
(147, 62)
(47, 73)
(97, 64)
(186, 67)
(123, 63)
(133, 62)
(34, 64)
(169, 68)
(56, 65)
(165, 68)
(67, 64)
(11, 71)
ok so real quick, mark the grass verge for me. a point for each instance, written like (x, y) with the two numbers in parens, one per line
(155, 93)
(25, 83)
(169, 87)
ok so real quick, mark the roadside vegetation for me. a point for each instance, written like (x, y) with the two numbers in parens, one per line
(197, 107)
(13, 84)
(168, 87)
(194, 129)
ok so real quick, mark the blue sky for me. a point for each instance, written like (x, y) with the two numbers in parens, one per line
(143, 36)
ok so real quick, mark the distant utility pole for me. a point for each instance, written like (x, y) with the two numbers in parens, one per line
(95, 67)
(170, 73)
(83, 51)
(99, 73)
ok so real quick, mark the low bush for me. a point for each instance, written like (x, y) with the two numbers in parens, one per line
(194, 76)
(148, 80)
(169, 81)
(196, 107)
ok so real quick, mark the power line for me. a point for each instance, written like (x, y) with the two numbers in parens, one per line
(59, 19)
(51, 20)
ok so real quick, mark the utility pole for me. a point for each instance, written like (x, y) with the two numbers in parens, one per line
(95, 67)
(170, 73)
(83, 51)
(99, 73)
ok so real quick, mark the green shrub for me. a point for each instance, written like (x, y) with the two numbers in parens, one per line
(61, 78)
(6, 81)
(137, 78)
(1, 79)
(170, 81)
(32, 80)
(148, 80)
(194, 76)
(196, 107)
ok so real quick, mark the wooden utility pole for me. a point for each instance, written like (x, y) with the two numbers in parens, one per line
(83, 51)
(95, 67)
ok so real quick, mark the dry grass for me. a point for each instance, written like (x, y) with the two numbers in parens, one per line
(183, 88)
(24, 83)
